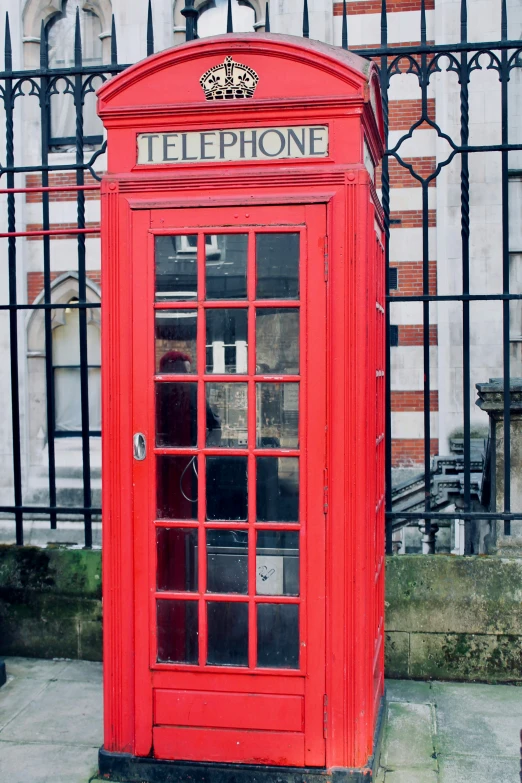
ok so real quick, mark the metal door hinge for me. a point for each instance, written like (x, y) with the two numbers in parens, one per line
(326, 259)
(325, 490)
(325, 716)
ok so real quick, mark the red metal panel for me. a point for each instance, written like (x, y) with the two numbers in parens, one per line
(228, 710)
(246, 747)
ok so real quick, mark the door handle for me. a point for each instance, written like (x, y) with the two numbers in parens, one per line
(140, 446)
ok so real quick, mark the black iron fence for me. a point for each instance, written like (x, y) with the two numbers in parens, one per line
(423, 61)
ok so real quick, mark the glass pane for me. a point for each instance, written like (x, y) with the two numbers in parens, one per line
(277, 341)
(277, 266)
(176, 341)
(176, 415)
(177, 631)
(177, 487)
(277, 489)
(226, 265)
(278, 636)
(226, 341)
(227, 414)
(277, 563)
(227, 561)
(176, 268)
(277, 415)
(227, 633)
(177, 559)
(227, 488)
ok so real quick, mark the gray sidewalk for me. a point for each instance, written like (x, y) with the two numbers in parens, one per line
(51, 727)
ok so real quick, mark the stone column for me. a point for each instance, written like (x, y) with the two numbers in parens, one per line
(491, 400)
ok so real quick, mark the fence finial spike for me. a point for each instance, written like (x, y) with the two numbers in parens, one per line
(8, 51)
(384, 24)
(114, 44)
(306, 25)
(267, 17)
(230, 27)
(150, 31)
(44, 59)
(344, 41)
(423, 22)
(77, 40)
(463, 21)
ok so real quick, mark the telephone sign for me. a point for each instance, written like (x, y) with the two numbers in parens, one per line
(242, 258)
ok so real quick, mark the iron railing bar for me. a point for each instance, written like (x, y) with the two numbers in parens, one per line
(150, 31)
(48, 232)
(13, 296)
(391, 51)
(48, 335)
(49, 189)
(455, 297)
(80, 510)
(452, 515)
(82, 288)
(51, 306)
(505, 272)
(465, 234)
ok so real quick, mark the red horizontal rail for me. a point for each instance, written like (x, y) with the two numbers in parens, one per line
(53, 189)
(42, 233)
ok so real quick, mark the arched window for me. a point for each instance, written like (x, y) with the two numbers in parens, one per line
(212, 18)
(66, 371)
(60, 36)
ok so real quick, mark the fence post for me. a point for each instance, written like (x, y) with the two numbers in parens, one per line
(491, 400)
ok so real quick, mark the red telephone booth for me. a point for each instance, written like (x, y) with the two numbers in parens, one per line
(243, 460)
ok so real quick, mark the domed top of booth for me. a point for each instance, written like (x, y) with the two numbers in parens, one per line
(263, 69)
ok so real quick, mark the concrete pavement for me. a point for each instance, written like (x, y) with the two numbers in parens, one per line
(51, 727)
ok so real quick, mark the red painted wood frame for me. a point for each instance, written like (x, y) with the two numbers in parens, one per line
(266, 715)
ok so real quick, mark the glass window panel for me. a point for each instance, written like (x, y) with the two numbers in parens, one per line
(177, 631)
(277, 266)
(278, 636)
(177, 549)
(277, 562)
(227, 488)
(176, 268)
(227, 633)
(177, 487)
(277, 489)
(277, 341)
(227, 414)
(227, 561)
(227, 341)
(277, 415)
(175, 346)
(226, 266)
(176, 415)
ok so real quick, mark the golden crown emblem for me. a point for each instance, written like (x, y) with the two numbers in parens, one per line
(228, 81)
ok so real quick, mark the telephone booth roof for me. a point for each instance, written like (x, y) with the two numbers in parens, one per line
(295, 75)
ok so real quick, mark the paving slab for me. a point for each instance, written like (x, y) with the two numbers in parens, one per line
(412, 691)
(408, 740)
(410, 776)
(82, 671)
(34, 668)
(65, 712)
(16, 694)
(467, 769)
(46, 763)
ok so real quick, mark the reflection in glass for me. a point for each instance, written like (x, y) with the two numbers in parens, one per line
(227, 633)
(277, 489)
(227, 561)
(177, 487)
(277, 562)
(175, 346)
(227, 488)
(277, 341)
(278, 636)
(177, 559)
(226, 266)
(176, 268)
(226, 341)
(176, 415)
(177, 631)
(277, 266)
(227, 414)
(277, 415)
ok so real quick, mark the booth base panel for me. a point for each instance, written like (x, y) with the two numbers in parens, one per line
(125, 768)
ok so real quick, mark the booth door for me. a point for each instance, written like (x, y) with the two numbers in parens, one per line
(229, 452)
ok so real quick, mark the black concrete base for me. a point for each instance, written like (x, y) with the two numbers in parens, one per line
(124, 768)
(3, 673)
